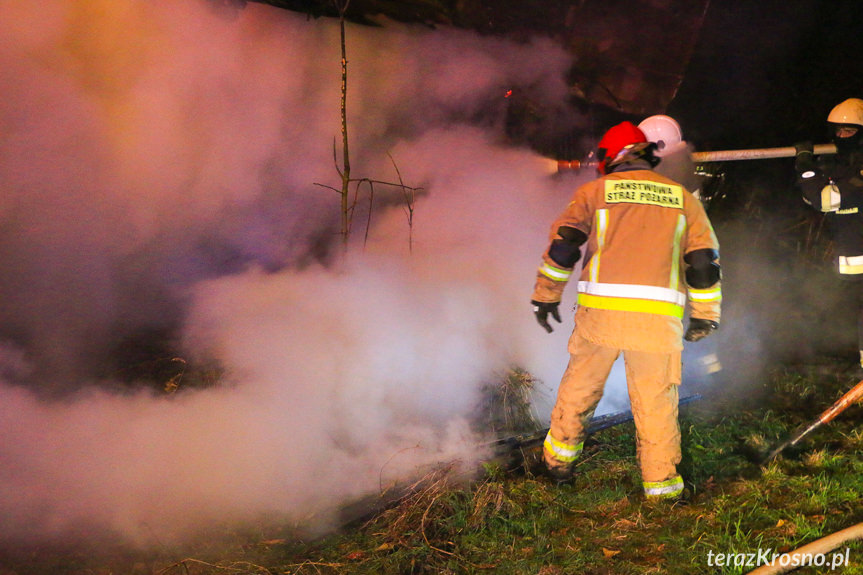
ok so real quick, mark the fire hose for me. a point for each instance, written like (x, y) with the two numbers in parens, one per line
(849, 398)
(799, 557)
(717, 156)
(510, 450)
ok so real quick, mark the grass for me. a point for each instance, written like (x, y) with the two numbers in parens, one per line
(516, 521)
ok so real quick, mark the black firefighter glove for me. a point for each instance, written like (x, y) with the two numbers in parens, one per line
(700, 328)
(541, 309)
(804, 160)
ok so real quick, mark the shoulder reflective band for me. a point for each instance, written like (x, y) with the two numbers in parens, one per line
(561, 451)
(628, 297)
(643, 192)
(709, 294)
(557, 274)
(851, 265)
(662, 489)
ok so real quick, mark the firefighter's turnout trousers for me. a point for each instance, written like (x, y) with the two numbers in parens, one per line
(650, 251)
(652, 380)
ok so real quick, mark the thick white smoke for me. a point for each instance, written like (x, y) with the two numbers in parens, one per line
(159, 165)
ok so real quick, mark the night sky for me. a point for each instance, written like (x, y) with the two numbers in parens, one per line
(766, 74)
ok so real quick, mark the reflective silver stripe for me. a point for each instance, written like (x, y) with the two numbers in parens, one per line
(634, 291)
(668, 488)
(675, 256)
(562, 451)
(711, 363)
(830, 198)
(851, 265)
(709, 294)
(557, 274)
(601, 227)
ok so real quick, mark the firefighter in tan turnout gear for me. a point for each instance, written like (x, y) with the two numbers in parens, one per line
(649, 248)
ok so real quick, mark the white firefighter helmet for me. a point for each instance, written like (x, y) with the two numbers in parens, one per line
(664, 131)
(848, 112)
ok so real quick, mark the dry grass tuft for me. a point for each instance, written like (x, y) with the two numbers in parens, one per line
(507, 404)
(488, 500)
(426, 501)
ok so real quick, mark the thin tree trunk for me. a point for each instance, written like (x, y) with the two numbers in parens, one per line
(346, 161)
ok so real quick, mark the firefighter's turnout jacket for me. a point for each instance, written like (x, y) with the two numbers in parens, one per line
(632, 295)
(834, 185)
(639, 225)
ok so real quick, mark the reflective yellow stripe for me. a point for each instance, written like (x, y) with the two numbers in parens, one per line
(631, 304)
(632, 291)
(709, 294)
(851, 265)
(661, 489)
(563, 452)
(675, 256)
(601, 227)
(557, 274)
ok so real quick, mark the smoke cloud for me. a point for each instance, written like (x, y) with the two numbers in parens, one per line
(166, 170)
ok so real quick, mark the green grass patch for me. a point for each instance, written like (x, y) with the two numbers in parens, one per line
(520, 522)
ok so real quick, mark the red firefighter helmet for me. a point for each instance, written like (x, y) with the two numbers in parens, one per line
(622, 142)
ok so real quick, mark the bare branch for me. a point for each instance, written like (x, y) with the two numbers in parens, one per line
(336, 190)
